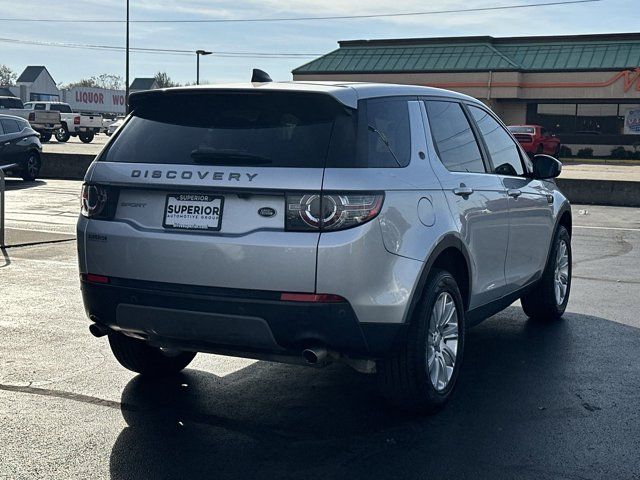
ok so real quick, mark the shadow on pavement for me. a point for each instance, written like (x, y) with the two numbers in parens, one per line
(15, 184)
(556, 400)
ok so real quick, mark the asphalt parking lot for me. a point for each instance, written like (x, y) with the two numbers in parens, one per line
(558, 400)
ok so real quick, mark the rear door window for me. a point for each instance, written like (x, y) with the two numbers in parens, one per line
(60, 107)
(267, 129)
(453, 137)
(10, 126)
(40, 106)
(504, 153)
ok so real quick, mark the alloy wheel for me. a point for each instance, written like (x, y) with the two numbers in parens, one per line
(561, 277)
(442, 342)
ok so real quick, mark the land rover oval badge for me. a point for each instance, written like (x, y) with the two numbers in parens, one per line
(267, 212)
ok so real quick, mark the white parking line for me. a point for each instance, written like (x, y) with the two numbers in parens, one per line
(608, 228)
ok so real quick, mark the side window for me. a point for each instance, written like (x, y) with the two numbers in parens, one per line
(455, 142)
(10, 126)
(40, 106)
(1, 129)
(502, 149)
(28, 106)
(388, 133)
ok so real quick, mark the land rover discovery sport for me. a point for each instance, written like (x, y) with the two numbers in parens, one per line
(317, 222)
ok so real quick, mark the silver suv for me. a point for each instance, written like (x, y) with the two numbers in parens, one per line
(317, 222)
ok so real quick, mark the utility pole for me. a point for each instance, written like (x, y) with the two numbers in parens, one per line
(126, 95)
(198, 53)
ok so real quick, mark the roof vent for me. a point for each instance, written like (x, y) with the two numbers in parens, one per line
(260, 76)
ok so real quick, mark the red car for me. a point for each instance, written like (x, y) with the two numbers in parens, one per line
(536, 139)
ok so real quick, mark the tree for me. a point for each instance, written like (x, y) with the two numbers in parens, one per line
(105, 80)
(7, 76)
(164, 80)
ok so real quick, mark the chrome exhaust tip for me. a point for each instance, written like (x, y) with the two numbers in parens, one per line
(314, 356)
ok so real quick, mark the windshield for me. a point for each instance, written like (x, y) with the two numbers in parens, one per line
(273, 129)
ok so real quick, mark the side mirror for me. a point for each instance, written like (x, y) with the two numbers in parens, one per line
(545, 166)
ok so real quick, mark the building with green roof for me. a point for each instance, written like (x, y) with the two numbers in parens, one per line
(583, 88)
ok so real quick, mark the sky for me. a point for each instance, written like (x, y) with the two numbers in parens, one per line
(310, 37)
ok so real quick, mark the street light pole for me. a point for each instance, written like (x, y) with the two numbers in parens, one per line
(126, 94)
(198, 53)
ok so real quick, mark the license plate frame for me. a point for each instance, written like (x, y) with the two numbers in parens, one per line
(193, 199)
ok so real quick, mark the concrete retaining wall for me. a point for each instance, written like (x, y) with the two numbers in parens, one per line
(594, 192)
(65, 166)
(601, 192)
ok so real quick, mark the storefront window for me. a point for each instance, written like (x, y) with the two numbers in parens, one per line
(593, 123)
(598, 119)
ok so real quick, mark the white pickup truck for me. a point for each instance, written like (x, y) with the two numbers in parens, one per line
(43, 122)
(83, 125)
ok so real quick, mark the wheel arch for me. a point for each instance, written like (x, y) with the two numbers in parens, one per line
(449, 254)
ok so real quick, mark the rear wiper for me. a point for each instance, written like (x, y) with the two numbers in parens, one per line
(386, 142)
(222, 157)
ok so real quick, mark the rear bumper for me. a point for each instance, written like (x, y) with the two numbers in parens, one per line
(236, 322)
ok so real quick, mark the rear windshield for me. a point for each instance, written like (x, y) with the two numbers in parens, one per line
(521, 129)
(264, 129)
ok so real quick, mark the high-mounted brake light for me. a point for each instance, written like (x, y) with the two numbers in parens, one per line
(311, 297)
(331, 211)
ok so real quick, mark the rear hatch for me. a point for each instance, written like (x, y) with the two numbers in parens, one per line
(195, 188)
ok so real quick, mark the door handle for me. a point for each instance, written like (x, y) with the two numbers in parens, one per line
(463, 191)
(514, 192)
(7, 143)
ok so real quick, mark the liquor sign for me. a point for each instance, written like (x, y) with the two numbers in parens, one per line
(98, 100)
(632, 121)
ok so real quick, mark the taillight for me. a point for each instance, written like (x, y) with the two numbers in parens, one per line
(98, 201)
(76, 120)
(331, 211)
(32, 117)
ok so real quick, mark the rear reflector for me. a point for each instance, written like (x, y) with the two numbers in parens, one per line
(311, 297)
(93, 278)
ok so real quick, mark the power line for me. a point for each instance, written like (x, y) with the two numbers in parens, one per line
(305, 19)
(165, 51)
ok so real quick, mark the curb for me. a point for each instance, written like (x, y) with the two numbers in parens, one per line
(65, 166)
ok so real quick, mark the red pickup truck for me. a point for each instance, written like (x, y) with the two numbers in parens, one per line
(536, 139)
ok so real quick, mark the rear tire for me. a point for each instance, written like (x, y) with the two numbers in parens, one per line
(31, 167)
(548, 300)
(86, 137)
(137, 356)
(408, 378)
(62, 134)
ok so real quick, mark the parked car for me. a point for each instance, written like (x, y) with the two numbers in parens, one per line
(113, 126)
(310, 223)
(536, 140)
(83, 125)
(20, 147)
(43, 122)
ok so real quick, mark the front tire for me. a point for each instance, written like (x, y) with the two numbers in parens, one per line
(86, 137)
(31, 167)
(137, 356)
(421, 375)
(548, 300)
